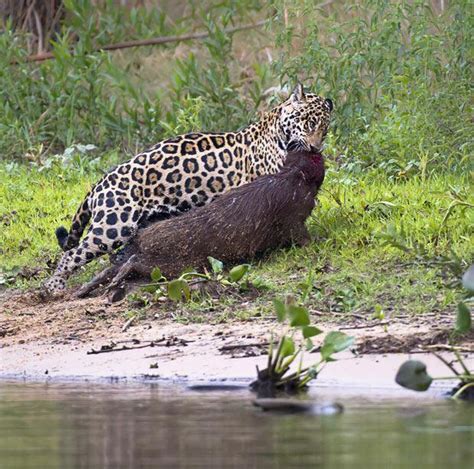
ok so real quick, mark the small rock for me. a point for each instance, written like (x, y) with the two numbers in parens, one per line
(117, 295)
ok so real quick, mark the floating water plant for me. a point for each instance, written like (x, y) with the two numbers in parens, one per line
(413, 375)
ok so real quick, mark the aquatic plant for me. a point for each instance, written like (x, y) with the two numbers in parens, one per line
(277, 376)
(463, 317)
(413, 374)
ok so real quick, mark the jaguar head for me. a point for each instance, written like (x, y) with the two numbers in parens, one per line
(304, 120)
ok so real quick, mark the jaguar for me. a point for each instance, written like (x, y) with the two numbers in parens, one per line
(186, 171)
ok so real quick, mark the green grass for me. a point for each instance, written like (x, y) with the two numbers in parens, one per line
(352, 265)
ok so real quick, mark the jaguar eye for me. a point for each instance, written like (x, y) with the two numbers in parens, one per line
(310, 126)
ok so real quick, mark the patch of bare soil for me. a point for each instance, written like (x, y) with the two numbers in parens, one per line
(25, 317)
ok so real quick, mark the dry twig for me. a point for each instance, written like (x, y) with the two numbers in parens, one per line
(365, 326)
(163, 342)
(451, 348)
(128, 323)
(226, 348)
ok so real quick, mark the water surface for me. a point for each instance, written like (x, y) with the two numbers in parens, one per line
(126, 425)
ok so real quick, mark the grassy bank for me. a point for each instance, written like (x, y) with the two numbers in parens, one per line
(393, 231)
(378, 244)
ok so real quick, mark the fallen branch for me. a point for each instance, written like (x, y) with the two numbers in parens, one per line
(163, 342)
(148, 42)
(365, 326)
(335, 313)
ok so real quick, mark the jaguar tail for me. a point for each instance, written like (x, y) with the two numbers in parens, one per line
(68, 240)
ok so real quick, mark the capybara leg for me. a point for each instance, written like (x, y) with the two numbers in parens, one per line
(100, 279)
(126, 270)
(300, 235)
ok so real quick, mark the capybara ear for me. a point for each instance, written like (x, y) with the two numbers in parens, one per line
(329, 104)
(298, 96)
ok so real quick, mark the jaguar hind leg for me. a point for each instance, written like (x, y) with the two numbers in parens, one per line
(102, 238)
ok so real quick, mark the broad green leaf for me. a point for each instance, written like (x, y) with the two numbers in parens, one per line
(413, 375)
(177, 289)
(156, 274)
(309, 345)
(174, 290)
(326, 351)
(238, 272)
(280, 310)
(468, 279)
(463, 318)
(287, 348)
(186, 291)
(298, 315)
(310, 331)
(334, 342)
(338, 340)
(216, 265)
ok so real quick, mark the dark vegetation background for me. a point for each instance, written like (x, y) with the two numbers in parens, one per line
(398, 197)
(400, 74)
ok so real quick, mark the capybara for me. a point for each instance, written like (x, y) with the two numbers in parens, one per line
(265, 214)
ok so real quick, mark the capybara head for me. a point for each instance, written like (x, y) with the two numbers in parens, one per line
(310, 163)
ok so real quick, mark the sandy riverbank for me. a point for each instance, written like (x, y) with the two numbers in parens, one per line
(54, 340)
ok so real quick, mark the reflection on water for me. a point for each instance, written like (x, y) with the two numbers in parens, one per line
(115, 426)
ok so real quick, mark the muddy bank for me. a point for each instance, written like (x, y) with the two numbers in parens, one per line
(90, 338)
(199, 361)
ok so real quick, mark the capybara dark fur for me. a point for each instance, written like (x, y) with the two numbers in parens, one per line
(265, 214)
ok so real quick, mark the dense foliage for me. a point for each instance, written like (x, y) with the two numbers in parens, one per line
(399, 73)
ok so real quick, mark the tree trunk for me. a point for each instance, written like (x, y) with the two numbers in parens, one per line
(40, 20)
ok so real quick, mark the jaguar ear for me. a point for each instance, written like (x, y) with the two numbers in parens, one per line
(298, 96)
(329, 104)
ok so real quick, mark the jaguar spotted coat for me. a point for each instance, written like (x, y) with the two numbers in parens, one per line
(186, 171)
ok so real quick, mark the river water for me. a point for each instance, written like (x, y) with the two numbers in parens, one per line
(117, 425)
